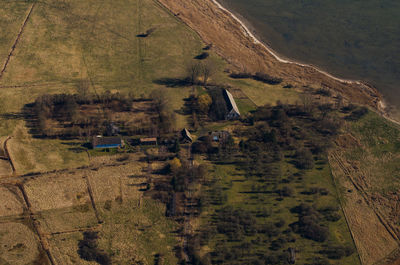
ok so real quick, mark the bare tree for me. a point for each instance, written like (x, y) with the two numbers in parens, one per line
(306, 101)
(193, 72)
(208, 69)
(83, 88)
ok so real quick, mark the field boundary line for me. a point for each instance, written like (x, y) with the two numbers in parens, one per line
(90, 191)
(36, 225)
(92, 228)
(8, 154)
(330, 157)
(367, 200)
(16, 41)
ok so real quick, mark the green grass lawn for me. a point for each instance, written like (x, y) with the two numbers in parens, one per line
(261, 93)
(238, 190)
(379, 152)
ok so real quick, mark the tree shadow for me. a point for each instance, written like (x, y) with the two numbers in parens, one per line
(173, 82)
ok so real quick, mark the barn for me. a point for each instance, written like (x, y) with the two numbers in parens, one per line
(100, 142)
(148, 141)
(233, 111)
(186, 136)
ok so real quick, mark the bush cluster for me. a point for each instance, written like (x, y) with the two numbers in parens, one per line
(88, 249)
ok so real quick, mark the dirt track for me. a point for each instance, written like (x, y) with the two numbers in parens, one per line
(17, 40)
(28, 190)
(377, 239)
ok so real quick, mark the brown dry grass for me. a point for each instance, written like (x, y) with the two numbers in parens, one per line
(18, 244)
(57, 190)
(67, 219)
(5, 168)
(241, 52)
(111, 183)
(64, 249)
(373, 241)
(11, 202)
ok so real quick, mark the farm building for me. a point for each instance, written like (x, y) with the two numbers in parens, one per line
(99, 142)
(186, 136)
(148, 141)
(233, 111)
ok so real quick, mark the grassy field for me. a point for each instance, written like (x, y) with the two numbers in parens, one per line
(67, 43)
(368, 155)
(378, 153)
(133, 228)
(261, 93)
(12, 13)
(240, 194)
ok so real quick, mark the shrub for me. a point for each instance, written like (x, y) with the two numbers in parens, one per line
(286, 191)
(324, 92)
(338, 251)
(357, 114)
(267, 79)
(304, 159)
(280, 223)
(88, 249)
(309, 228)
(241, 75)
(277, 244)
(202, 56)
(308, 225)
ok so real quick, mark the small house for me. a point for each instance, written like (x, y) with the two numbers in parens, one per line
(186, 136)
(99, 142)
(233, 111)
(148, 141)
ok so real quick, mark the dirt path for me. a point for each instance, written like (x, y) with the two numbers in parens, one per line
(8, 156)
(36, 226)
(374, 236)
(90, 191)
(16, 41)
(364, 194)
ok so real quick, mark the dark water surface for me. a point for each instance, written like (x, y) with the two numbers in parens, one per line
(355, 39)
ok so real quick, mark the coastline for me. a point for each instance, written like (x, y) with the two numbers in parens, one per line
(382, 106)
(245, 52)
(279, 58)
(248, 30)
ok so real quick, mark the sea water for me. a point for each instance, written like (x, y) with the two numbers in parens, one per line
(354, 39)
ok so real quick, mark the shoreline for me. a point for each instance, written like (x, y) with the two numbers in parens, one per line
(280, 59)
(244, 51)
(382, 105)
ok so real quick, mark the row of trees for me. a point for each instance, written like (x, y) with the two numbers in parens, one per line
(83, 114)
